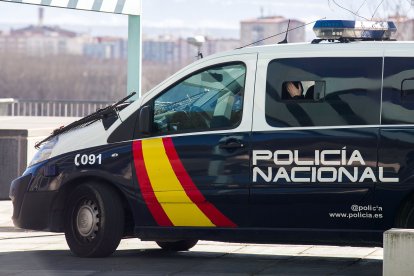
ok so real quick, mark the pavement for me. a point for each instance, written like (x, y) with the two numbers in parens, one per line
(34, 253)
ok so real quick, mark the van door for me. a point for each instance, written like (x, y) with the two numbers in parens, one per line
(396, 155)
(193, 170)
(314, 161)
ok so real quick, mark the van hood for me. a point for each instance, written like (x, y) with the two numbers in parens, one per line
(88, 136)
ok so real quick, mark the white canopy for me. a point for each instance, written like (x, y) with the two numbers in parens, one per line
(129, 7)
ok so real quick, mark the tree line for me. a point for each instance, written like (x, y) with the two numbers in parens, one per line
(69, 77)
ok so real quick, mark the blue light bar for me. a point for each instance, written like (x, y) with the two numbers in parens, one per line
(354, 30)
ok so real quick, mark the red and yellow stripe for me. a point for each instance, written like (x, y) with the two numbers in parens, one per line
(169, 192)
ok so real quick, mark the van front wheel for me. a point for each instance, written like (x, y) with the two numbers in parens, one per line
(94, 220)
(183, 245)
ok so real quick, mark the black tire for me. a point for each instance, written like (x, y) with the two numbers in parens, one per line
(183, 245)
(94, 220)
(405, 218)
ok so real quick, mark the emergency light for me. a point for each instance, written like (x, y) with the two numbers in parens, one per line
(354, 30)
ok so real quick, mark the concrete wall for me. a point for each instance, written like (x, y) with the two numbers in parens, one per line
(18, 136)
(16, 150)
(398, 252)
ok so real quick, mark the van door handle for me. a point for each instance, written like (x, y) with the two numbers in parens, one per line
(232, 145)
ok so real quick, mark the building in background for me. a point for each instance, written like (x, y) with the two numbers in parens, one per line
(106, 48)
(161, 49)
(257, 29)
(213, 46)
(405, 27)
(178, 52)
(42, 40)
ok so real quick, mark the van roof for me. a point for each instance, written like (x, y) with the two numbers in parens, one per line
(325, 48)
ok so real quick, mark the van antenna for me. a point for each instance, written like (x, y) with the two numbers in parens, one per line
(350, 11)
(375, 11)
(266, 38)
(285, 41)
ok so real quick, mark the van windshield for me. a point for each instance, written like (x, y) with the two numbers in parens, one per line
(200, 91)
(215, 92)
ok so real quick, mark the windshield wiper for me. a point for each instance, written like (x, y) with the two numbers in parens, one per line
(90, 119)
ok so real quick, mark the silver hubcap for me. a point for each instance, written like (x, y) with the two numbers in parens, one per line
(87, 220)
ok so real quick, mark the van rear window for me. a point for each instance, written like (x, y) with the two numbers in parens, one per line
(302, 92)
(398, 93)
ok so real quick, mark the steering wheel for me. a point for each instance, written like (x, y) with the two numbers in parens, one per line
(199, 118)
(179, 120)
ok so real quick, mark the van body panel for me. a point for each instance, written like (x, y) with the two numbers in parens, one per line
(395, 151)
(321, 170)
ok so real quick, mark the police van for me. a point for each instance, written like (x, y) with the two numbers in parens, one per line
(294, 143)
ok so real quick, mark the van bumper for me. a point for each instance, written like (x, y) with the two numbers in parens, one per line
(31, 210)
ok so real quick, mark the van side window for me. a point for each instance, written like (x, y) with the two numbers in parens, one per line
(208, 100)
(334, 92)
(398, 93)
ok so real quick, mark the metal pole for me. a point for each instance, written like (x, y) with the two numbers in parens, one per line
(134, 54)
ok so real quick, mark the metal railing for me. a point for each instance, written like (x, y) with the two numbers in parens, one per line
(58, 108)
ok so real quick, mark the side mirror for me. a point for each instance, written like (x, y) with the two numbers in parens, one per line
(144, 121)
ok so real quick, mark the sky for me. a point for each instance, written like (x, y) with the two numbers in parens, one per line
(202, 14)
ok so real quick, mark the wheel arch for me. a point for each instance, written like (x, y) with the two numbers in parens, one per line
(406, 202)
(59, 204)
